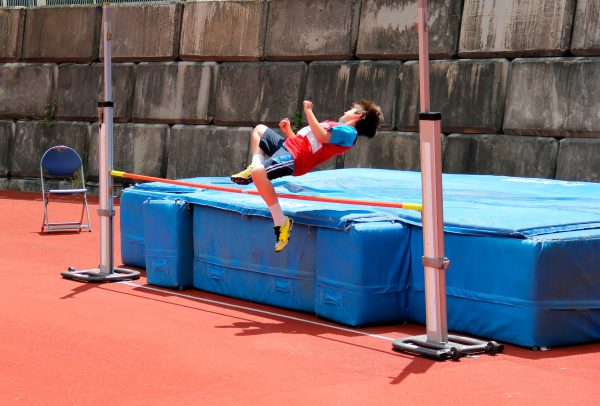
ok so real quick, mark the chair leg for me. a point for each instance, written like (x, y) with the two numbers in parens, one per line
(45, 222)
(87, 212)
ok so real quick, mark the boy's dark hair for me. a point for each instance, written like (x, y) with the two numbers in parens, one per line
(371, 117)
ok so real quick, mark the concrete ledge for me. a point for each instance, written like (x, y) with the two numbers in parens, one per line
(515, 28)
(470, 94)
(30, 185)
(138, 148)
(388, 29)
(311, 30)
(7, 131)
(145, 32)
(26, 90)
(33, 138)
(497, 154)
(554, 96)
(12, 24)
(388, 150)
(81, 87)
(578, 159)
(255, 92)
(586, 32)
(207, 151)
(62, 34)
(172, 92)
(202, 35)
(334, 86)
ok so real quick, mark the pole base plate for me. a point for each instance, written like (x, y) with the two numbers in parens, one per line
(454, 349)
(96, 276)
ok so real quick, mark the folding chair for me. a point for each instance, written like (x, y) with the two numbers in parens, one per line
(63, 162)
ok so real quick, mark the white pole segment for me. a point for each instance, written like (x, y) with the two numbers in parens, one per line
(423, 31)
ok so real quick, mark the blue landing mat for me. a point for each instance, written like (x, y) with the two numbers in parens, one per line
(524, 252)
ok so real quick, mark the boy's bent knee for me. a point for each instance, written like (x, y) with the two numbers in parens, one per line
(258, 170)
(260, 129)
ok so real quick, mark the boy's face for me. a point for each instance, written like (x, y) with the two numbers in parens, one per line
(350, 115)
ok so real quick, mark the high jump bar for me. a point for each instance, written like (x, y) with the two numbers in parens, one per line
(406, 206)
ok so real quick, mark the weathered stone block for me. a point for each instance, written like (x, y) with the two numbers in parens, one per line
(12, 23)
(388, 29)
(80, 88)
(334, 86)
(578, 159)
(207, 151)
(7, 131)
(254, 92)
(497, 154)
(387, 150)
(554, 96)
(62, 34)
(33, 138)
(586, 30)
(470, 94)
(172, 92)
(202, 32)
(514, 28)
(148, 32)
(138, 148)
(311, 30)
(26, 90)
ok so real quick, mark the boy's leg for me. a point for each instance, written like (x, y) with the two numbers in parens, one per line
(258, 155)
(282, 223)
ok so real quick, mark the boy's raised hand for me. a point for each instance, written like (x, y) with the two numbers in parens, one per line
(308, 105)
(285, 124)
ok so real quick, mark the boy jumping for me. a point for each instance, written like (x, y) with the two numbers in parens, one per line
(275, 156)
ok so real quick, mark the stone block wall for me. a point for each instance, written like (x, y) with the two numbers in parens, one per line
(517, 82)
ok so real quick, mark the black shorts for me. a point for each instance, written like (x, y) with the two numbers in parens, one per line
(280, 161)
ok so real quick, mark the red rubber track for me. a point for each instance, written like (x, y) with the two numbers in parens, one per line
(69, 343)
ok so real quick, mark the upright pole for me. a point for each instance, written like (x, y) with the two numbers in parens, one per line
(436, 343)
(434, 262)
(106, 271)
(105, 149)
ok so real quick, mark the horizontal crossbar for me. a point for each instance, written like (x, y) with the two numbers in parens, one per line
(406, 206)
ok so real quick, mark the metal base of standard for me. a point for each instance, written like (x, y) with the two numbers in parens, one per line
(455, 348)
(95, 276)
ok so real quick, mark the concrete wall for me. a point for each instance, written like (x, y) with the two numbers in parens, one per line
(311, 30)
(12, 23)
(190, 80)
(145, 32)
(26, 90)
(565, 104)
(202, 36)
(388, 30)
(586, 30)
(513, 28)
(62, 34)
(471, 94)
(258, 92)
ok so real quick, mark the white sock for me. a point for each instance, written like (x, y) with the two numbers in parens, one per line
(277, 213)
(257, 159)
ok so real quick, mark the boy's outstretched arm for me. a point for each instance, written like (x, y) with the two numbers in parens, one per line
(286, 128)
(319, 132)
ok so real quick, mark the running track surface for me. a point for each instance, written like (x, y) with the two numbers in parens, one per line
(70, 343)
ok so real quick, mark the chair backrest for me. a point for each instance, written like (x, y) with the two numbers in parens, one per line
(60, 160)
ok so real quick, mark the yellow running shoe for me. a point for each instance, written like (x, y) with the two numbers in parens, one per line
(282, 234)
(244, 177)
